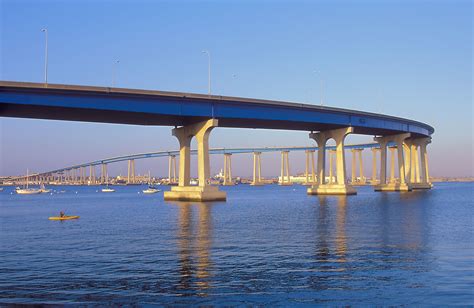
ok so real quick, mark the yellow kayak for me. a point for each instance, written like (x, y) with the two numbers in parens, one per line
(63, 218)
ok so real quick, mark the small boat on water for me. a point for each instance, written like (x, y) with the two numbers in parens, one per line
(151, 189)
(108, 189)
(26, 190)
(63, 217)
(43, 189)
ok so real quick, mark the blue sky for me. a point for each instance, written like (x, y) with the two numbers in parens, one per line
(405, 58)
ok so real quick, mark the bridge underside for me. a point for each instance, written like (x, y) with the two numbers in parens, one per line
(142, 118)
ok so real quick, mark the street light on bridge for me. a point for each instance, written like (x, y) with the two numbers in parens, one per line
(45, 56)
(209, 70)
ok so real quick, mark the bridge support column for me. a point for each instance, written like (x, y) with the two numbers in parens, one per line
(184, 191)
(340, 187)
(332, 154)
(414, 164)
(228, 169)
(407, 156)
(172, 169)
(103, 175)
(417, 180)
(357, 157)
(374, 180)
(392, 164)
(310, 178)
(285, 169)
(83, 175)
(257, 169)
(131, 172)
(91, 175)
(393, 185)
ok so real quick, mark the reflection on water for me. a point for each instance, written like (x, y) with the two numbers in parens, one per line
(323, 224)
(268, 245)
(194, 244)
(341, 240)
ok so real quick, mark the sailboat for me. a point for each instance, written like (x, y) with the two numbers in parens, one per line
(107, 189)
(43, 189)
(26, 190)
(151, 189)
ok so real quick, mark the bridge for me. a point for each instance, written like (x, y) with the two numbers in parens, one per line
(77, 173)
(195, 115)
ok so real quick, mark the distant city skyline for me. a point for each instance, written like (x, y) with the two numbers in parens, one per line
(404, 59)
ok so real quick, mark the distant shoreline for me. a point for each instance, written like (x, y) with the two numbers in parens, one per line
(448, 179)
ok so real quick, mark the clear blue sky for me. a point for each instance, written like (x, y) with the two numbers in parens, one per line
(405, 58)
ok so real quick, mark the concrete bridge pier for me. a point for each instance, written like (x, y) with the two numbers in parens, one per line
(228, 170)
(310, 178)
(357, 156)
(374, 180)
(184, 191)
(257, 169)
(172, 169)
(131, 172)
(91, 175)
(285, 169)
(392, 164)
(393, 184)
(83, 175)
(417, 180)
(76, 176)
(340, 187)
(104, 175)
(332, 155)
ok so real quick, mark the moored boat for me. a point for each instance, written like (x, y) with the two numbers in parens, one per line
(151, 189)
(108, 189)
(44, 190)
(26, 190)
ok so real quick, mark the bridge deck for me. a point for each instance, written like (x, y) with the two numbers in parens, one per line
(145, 107)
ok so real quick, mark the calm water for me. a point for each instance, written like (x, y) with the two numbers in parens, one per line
(265, 245)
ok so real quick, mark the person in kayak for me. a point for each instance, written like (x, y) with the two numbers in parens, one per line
(61, 214)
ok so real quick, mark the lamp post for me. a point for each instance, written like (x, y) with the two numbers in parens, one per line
(45, 56)
(209, 70)
(114, 72)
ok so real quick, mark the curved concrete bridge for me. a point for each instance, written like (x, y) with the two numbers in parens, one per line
(195, 115)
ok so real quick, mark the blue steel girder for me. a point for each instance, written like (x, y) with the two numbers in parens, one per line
(131, 106)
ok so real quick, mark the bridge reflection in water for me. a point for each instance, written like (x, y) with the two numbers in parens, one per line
(335, 261)
(194, 243)
(323, 251)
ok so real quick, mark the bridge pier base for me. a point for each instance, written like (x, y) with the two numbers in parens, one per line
(417, 180)
(195, 193)
(184, 191)
(393, 184)
(340, 187)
